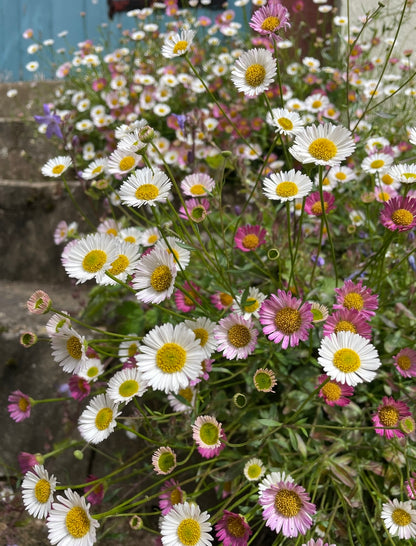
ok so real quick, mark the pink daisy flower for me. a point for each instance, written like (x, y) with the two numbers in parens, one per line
(405, 362)
(27, 461)
(356, 296)
(286, 508)
(94, 493)
(399, 214)
(170, 494)
(236, 336)
(195, 210)
(222, 300)
(388, 415)
(347, 320)
(248, 238)
(232, 530)
(334, 393)
(19, 407)
(411, 486)
(285, 319)
(183, 302)
(206, 368)
(79, 387)
(209, 436)
(313, 205)
(269, 19)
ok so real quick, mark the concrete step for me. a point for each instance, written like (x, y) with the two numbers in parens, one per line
(28, 98)
(29, 214)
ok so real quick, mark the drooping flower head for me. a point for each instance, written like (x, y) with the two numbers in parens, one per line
(286, 319)
(325, 144)
(94, 493)
(39, 303)
(399, 213)
(405, 362)
(79, 387)
(248, 238)
(38, 489)
(356, 296)
(270, 19)
(254, 72)
(287, 508)
(388, 416)
(399, 518)
(348, 358)
(334, 393)
(187, 299)
(232, 530)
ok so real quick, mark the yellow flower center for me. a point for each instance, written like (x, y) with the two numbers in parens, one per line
(198, 189)
(186, 393)
(239, 335)
(255, 75)
(377, 164)
(316, 208)
(132, 350)
(94, 261)
(226, 299)
(42, 490)
(288, 320)
(346, 360)
(287, 503)
(209, 434)
(251, 305)
(286, 189)
(77, 522)
(180, 47)
(202, 335)
(111, 231)
(409, 175)
(316, 104)
(250, 241)
(23, 404)
(161, 278)
(332, 391)
(384, 196)
(353, 301)
(152, 239)
(189, 532)
(387, 179)
(340, 176)
(285, 124)
(253, 471)
(345, 326)
(402, 217)
(97, 169)
(58, 169)
(147, 192)
(166, 462)
(171, 358)
(119, 265)
(128, 388)
(404, 362)
(92, 372)
(103, 418)
(235, 526)
(74, 347)
(323, 149)
(401, 517)
(130, 239)
(270, 23)
(388, 416)
(126, 163)
(176, 496)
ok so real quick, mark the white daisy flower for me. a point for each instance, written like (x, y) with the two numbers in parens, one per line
(341, 174)
(70, 523)
(170, 357)
(131, 142)
(252, 304)
(131, 235)
(348, 358)
(286, 186)
(325, 144)
(125, 385)
(122, 161)
(376, 163)
(178, 44)
(95, 168)
(172, 245)
(128, 348)
(150, 237)
(68, 349)
(189, 394)
(185, 524)
(38, 489)
(90, 257)
(56, 166)
(285, 121)
(203, 328)
(412, 135)
(254, 71)
(124, 265)
(399, 518)
(90, 369)
(98, 420)
(145, 187)
(197, 184)
(316, 102)
(404, 173)
(155, 276)
(253, 469)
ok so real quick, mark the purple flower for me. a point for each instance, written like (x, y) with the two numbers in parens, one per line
(52, 121)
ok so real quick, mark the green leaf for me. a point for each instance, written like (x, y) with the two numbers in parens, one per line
(269, 422)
